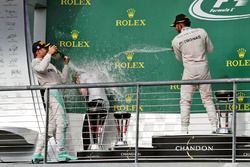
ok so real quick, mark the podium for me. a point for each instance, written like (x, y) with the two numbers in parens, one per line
(122, 122)
(223, 98)
(195, 148)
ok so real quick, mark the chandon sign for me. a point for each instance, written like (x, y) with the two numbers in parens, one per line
(194, 148)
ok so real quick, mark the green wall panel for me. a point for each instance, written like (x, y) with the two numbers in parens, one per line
(129, 40)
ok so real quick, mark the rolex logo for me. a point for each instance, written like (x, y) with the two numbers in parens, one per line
(129, 64)
(76, 2)
(74, 43)
(241, 52)
(130, 56)
(74, 34)
(128, 99)
(131, 13)
(128, 106)
(240, 97)
(130, 22)
(239, 62)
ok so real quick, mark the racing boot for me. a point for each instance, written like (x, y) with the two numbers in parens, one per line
(37, 158)
(64, 156)
(214, 129)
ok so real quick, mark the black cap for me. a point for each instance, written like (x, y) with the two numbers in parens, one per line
(180, 18)
(38, 45)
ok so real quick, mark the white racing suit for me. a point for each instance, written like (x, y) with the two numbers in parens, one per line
(47, 74)
(190, 47)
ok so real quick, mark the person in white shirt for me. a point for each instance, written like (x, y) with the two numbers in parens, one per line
(48, 74)
(190, 46)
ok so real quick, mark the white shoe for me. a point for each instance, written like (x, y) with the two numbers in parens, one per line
(184, 130)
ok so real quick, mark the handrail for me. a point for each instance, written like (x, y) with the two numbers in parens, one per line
(123, 84)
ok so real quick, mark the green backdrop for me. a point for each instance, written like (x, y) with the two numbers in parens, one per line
(129, 40)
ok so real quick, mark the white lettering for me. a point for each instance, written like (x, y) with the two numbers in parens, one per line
(219, 10)
(219, 3)
(241, 2)
(194, 148)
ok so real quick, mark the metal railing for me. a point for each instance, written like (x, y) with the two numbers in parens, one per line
(150, 129)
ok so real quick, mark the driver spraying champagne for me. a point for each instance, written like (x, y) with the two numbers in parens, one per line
(190, 47)
(48, 74)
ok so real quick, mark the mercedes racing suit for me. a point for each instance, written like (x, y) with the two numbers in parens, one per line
(47, 74)
(190, 47)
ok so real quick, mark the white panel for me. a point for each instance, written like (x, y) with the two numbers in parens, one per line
(16, 107)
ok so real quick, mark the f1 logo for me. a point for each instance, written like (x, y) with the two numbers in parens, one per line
(239, 3)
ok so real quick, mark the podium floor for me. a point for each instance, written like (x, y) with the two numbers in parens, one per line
(178, 148)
